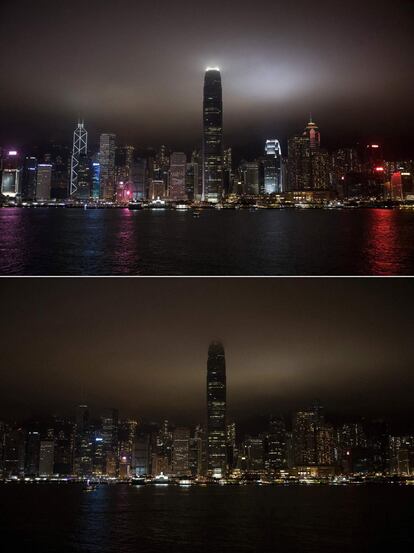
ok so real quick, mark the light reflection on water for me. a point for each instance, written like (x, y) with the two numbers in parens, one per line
(265, 242)
(233, 519)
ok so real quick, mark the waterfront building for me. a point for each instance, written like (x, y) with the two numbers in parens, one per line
(305, 428)
(44, 181)
(401, 455)
(64, 440)
(124, 157)
(177, 185)
(79, 149)
(212, 136)
(276, 457)
(313, 135)
(31, 465)
(272, 168)
(227, 171)
(29, 175)
(96, 180)
(142, 455)
(46, 458)
(138, 177)
(216, 410)
(157, 190)
(250, 177)
(11, 175)
(107, 166)
(254, 453)
(299, 164)
(84, 445)
(181, 451)
(84, 182)
(60, 158)
(110, 423)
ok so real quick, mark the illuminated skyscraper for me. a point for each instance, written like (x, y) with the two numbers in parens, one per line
(272, 163)
(11, 175)
(212, 136)
(96, 180)
(216, 410)
(107, 162)
(312, 132)
(177, 189)
(80, 148)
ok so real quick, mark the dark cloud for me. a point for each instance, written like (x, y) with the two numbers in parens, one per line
(136, 68)
(141, 344)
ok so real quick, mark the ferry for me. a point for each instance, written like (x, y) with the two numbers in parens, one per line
(138, 481)
(161, 480)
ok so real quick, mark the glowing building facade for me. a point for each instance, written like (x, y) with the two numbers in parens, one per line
(79, 150)
(273, 167)
(212, 136)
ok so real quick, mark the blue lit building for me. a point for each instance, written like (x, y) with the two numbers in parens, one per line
(96, 176)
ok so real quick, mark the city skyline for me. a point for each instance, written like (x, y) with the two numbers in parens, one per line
(269, 369)
(275, 73)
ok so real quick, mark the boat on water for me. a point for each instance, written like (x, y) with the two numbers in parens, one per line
(161, 480)
(89, 486)
(134, 205)
(138, 481)
(185, 483)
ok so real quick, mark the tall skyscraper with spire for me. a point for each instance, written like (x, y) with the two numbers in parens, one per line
(212, 136)
(313, 134)
(216, 410)
(79, 151)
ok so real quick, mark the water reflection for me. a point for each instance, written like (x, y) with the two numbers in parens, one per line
(383, 243)
(270, 242)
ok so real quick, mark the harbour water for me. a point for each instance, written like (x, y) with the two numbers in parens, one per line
(51, 518)
(48, 241)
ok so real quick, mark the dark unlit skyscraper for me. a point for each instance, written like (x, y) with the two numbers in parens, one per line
(216, 410)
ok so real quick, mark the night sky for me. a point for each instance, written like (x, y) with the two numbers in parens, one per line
(141, 345)
(136, 68)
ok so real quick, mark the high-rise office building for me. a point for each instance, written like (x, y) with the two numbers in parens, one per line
(313, 134)
(29, 178)
(181, 451)
(80, 148)
(96, 180)
(272, 168)
(276, 452)
(107, 163)
(138, 176)
(250, 177)
(11, 175)
(299, 164)
(31, 467)
(43, 181)
(83, 458)
(306, 427)
(177, 188)
(212, 136)
(84, 181)
(46, 458)
(110, 421)
(216, 410)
